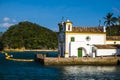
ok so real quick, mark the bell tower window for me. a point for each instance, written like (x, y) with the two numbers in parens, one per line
(68, 27)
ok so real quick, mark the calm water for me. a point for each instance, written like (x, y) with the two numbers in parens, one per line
(11, 70)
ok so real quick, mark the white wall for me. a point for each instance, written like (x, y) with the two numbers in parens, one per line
(81, 38)
(74, 48)
(106, 52)
(68, 24)
(95, 38)
(112, 42)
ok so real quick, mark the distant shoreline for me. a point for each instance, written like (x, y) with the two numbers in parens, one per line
(22, 50)
(46, 50)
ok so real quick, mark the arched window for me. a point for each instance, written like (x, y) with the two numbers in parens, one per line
(72, 39)
(68, 27)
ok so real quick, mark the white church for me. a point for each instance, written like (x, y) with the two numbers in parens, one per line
(83, 41)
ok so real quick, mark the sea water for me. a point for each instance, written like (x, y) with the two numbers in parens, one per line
(13, 70)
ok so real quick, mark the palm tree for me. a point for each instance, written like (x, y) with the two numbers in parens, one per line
(109, 20)
(114, 20)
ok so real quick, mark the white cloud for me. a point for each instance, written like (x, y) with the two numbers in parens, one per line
(7, 22)
(6, 19)
(14, 21)
(6, 25)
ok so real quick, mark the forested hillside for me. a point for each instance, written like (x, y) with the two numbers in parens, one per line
(29, 36)
(1, 34)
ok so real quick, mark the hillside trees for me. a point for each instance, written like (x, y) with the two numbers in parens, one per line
(30, 36)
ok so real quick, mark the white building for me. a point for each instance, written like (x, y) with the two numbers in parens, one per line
(83, 41)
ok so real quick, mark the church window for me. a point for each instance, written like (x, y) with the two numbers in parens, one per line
(88, 38)
(114, 42)
(72, 39)
(68, 27)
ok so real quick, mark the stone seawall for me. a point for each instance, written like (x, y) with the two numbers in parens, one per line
(42, 59)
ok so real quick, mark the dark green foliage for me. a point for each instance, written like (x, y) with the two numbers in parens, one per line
(113, 30)
(29, 35)
(109, 19)
(1, 34)
(113, 25)
(1, 44)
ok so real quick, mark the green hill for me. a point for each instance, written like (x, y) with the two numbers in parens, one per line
(29, 36)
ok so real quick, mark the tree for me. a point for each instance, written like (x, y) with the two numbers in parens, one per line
(1, 34)
(114, 20)
(30, 36)
(1, 44)
(109, 19)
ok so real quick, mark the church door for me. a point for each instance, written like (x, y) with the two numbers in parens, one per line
(79, 52)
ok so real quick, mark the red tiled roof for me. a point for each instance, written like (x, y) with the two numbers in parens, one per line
(112, 37)
(86, 29)
(108, 46)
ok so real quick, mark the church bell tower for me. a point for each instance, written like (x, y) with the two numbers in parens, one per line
(68, 26)
(63, 27)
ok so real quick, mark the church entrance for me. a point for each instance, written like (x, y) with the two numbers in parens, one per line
(82, 52)
(79, 52)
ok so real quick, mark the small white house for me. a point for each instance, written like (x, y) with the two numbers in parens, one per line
(83, 41)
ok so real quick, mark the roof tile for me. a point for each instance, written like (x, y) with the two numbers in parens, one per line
(108, 46)
(86, 29)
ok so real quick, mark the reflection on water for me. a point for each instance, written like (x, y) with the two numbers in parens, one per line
(12, 70)
(91, 72)
(89, 69)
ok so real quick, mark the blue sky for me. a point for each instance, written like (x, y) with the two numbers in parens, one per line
(49, 12)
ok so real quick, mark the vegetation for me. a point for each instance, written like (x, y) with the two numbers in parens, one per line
(29, 36)
(32, 36)
(113, 25)
(109, 19)
(113, 30)
(1, 34)
(1, 44)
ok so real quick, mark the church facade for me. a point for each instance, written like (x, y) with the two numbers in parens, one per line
(86, 41)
